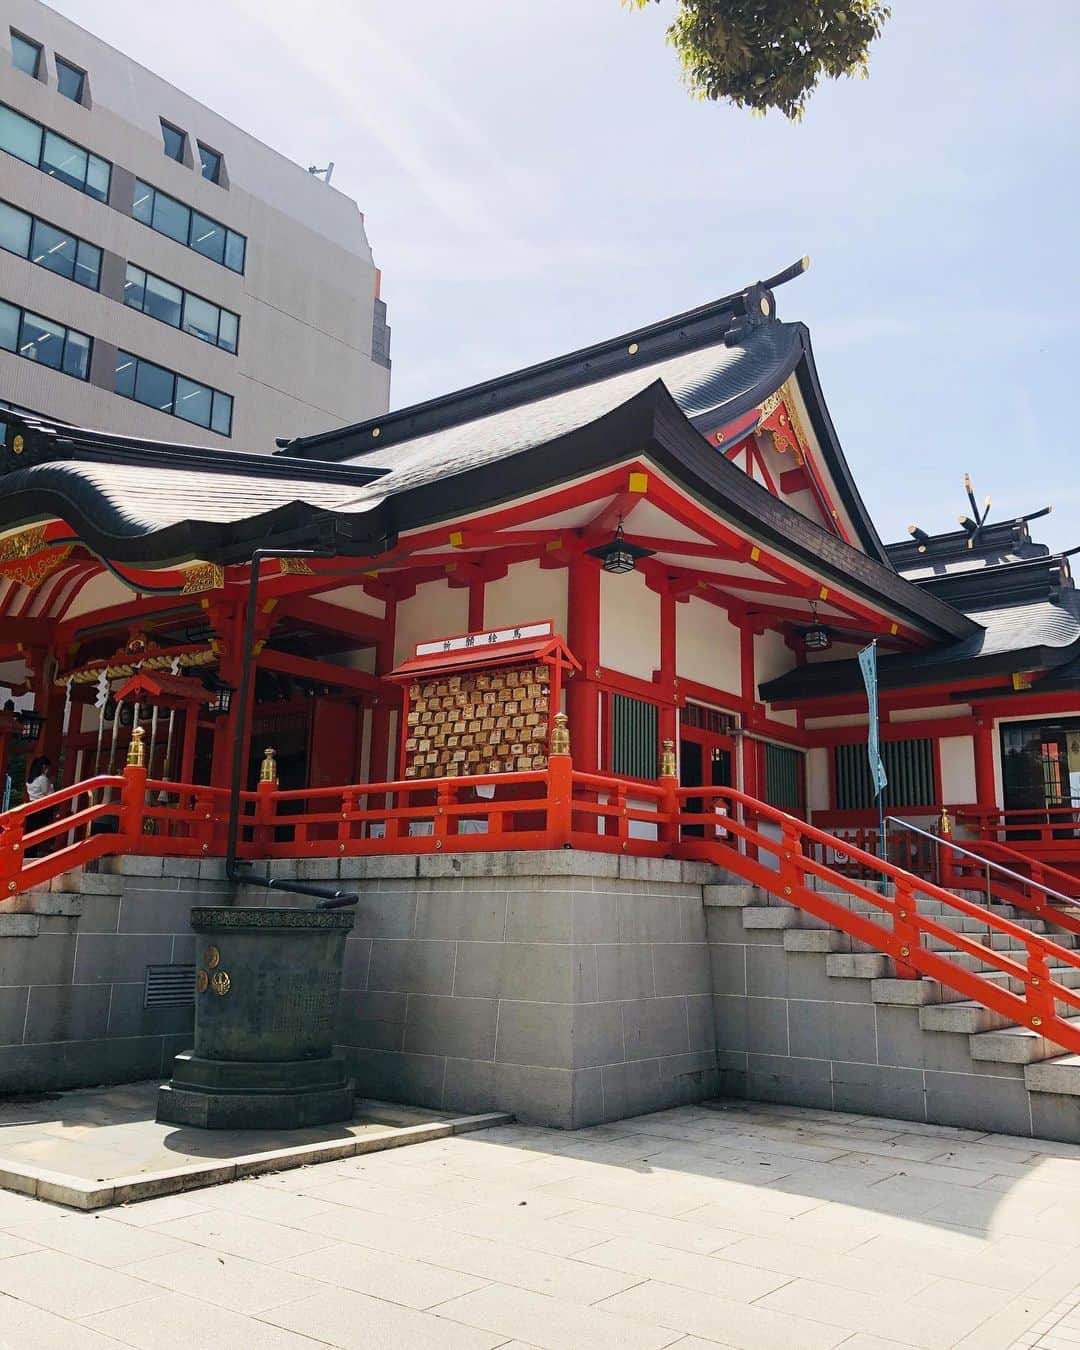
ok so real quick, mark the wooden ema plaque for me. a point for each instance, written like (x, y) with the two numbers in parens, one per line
(482, 703)
(483, 722)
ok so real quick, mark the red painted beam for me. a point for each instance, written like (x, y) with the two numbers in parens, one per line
(329, 618)
(321, 672)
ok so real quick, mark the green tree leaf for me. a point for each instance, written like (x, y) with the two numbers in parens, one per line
(762, 54)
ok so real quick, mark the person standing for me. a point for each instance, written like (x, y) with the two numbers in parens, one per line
(39, 784)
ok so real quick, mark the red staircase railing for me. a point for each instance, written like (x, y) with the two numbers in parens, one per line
(791, 844)
(554, 808)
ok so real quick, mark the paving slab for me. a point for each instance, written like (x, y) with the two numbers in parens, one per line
(102, 1146)
(471, 1242)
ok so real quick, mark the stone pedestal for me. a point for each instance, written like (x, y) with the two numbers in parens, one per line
(266, 996)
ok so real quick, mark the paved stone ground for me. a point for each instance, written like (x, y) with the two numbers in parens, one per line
(747, 1226)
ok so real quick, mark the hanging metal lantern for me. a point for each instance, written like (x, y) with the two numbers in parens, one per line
(219, 694)
(29, 725)
(619, 555)
(817, 637)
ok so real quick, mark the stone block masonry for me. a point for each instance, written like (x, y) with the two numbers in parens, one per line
(567, 987)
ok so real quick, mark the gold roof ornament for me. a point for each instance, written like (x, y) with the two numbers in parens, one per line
(203, 577)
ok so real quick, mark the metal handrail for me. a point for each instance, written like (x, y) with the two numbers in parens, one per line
(985, 862)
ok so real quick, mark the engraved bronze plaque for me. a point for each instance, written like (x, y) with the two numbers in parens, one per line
(202, 980)
(220, 983)
(212, 957)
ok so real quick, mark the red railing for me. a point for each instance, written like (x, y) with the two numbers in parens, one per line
(1045, 826)
(558, 807)
(892, 923)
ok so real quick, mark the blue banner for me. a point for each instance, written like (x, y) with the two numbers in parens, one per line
(868, 666)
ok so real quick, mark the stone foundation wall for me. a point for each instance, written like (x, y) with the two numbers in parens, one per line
(569, 988)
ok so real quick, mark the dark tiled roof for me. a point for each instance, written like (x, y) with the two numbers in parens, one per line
(1038, 635)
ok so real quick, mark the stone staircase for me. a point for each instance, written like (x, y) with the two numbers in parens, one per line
(991, 1038)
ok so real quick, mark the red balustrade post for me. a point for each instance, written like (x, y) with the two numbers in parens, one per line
(560, 785)
(265, 805)
(791, 851)
(11, 853)
(904, 930)
(668, 828)
(946, 860)
(444, 796)
(133, 793)
(1040, 1000)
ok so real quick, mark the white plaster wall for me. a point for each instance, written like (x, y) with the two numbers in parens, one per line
(847, 720)
(527, 592)
(817, 779)
(929, 714)
(707, 646)
(435, 611)
(356, 599)
(100, 593)
(629, 625)
(772, 657)
(957, 769)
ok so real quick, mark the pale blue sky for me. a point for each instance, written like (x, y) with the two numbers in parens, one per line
(535, 178)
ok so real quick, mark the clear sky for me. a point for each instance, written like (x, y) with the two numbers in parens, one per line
(535, 178)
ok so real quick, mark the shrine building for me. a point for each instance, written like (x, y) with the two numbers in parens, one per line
(612, 602)
(697, 452)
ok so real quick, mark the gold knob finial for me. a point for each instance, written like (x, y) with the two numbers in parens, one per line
(268, 768)
(560, 735)
(135, 757)
(944, 824)
(667, 760)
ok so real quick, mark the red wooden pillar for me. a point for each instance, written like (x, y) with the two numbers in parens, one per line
(187, 753)
(227, 621)
(748, 690)
(48, 704)
(985, 778)
(7, 730)
(668, 670)
(379, 751)
(476, 605)
(583, 639)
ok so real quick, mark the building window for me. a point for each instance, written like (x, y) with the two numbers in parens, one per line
(181, 309)
(174, 394)
(211, 163)
(25, 55)
(52, 248)
(784, 777)
(909, 767)
(55, 155)
(70, 80)
(44, 341)
(174, 141)
(634, 737)
(208, 237)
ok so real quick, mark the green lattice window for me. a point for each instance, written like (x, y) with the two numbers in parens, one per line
(634, 737)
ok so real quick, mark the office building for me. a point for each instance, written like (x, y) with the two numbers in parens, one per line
(162, 272)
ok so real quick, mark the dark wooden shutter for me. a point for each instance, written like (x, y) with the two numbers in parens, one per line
(634, 737)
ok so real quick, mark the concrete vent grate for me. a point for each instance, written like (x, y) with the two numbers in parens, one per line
(169, 986)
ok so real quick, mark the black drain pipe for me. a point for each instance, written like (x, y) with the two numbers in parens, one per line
(326, 896)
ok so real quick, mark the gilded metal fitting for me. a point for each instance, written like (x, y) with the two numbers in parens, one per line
(560, 735)
(136, 757)
(667, 760)
(944, 823)
(268, 768)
